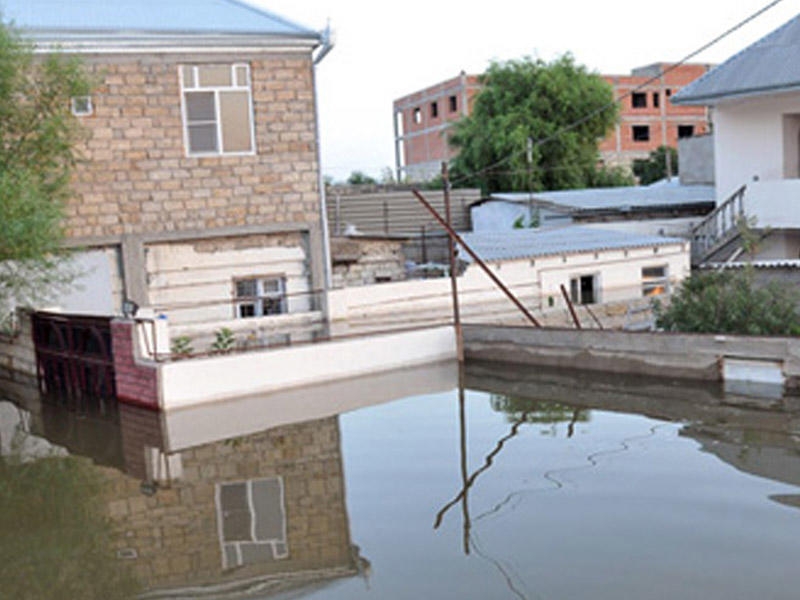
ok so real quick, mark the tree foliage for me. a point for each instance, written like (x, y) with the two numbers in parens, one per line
(38, 136)
(559, 101)
(651, 169)
(359, 177)
(731, 302)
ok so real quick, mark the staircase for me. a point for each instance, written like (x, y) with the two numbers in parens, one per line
(719, 228)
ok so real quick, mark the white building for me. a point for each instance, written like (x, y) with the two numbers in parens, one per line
(756, 100)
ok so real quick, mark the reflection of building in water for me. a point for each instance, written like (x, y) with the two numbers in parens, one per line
(771, 454)
(263, 505)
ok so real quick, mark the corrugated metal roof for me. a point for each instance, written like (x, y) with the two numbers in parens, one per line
(149, 16)
(618, 198)
(778, 263)
(772, 64)
(529, 243)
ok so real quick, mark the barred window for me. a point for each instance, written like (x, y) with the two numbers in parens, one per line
(260, 296)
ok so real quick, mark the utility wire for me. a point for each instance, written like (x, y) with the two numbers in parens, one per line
(616, 101)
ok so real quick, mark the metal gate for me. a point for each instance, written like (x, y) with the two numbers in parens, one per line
(74, 361)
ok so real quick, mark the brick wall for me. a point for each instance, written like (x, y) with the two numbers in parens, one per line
(137, 383)
(137, 178)
(174, 532)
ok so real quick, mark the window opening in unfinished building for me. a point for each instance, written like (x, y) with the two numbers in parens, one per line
(639, 100)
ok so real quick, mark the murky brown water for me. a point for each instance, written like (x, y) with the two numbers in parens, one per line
(531, 485)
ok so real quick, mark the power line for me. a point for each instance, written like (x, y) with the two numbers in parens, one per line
(555, 135)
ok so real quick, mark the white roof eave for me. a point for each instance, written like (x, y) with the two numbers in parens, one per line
(131, 42)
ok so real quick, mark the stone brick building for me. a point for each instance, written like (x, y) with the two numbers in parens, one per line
(647, 118)
(199, 189)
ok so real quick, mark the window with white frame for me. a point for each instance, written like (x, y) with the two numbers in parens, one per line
(251, 520)
(260, 296)
(217, 109)
(654, 281)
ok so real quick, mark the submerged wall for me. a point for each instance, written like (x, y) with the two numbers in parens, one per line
(688, 356)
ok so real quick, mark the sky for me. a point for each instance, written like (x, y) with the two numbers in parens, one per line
(387, 50)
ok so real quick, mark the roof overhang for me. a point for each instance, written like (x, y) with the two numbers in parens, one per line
(124, 42)
(715, 99)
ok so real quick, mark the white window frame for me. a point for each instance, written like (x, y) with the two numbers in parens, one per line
(216, 90)
(653, 283)
(261, 294)
(237, 544)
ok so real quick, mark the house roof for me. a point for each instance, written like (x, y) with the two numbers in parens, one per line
(529, 243)
(772, 64)
(660, 195)
(94, 22)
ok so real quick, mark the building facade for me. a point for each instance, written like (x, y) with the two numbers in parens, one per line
(647, 118)
(198, 190)
(421, 121)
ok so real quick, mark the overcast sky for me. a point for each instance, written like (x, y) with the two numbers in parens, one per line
(385, 50)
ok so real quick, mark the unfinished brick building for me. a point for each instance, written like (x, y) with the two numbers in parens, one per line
(647, 118)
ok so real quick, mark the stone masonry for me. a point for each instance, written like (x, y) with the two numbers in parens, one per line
(172, 537)
(136, 176)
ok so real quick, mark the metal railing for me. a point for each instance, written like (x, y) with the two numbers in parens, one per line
(719, 227)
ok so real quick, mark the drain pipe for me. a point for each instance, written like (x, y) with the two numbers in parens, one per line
(328, 41)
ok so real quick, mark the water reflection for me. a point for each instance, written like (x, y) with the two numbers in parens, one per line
(760, 436)
(497, 491)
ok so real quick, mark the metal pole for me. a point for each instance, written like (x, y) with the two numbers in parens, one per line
(451, 248)
(571, 308)
(476, 258)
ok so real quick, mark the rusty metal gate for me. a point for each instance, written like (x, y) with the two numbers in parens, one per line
(74, 361)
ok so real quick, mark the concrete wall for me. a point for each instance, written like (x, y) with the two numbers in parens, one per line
(193, 281)
(18, 362)
(690, 356)
(696, 160)
(192, 382)
(536, 283)
(750, 141)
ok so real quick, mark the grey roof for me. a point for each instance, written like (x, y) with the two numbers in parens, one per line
(529, 243)
(653, 196)
(772, 64)
(148, 16)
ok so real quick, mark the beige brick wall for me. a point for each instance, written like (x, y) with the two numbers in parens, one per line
(174, 532)
(137, 178)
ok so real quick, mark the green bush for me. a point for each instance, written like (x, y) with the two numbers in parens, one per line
(731, 302)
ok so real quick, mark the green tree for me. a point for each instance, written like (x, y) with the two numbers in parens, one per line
(653, 168)
(560, 102)
(38, 136)
(731, 302)
(359, 177)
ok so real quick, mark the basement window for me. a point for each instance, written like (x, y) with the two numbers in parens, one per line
(685, 131)
(639, 100)
(453, 103)
(641, 133)
(583, 289)
(654, 281)
(260, 297)
(251, 521)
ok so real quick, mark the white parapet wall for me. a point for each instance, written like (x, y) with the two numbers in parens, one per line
(223, 377)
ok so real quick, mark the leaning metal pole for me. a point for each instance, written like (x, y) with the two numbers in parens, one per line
(452, 233)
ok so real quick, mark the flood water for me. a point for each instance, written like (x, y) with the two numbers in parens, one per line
(524, 485)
